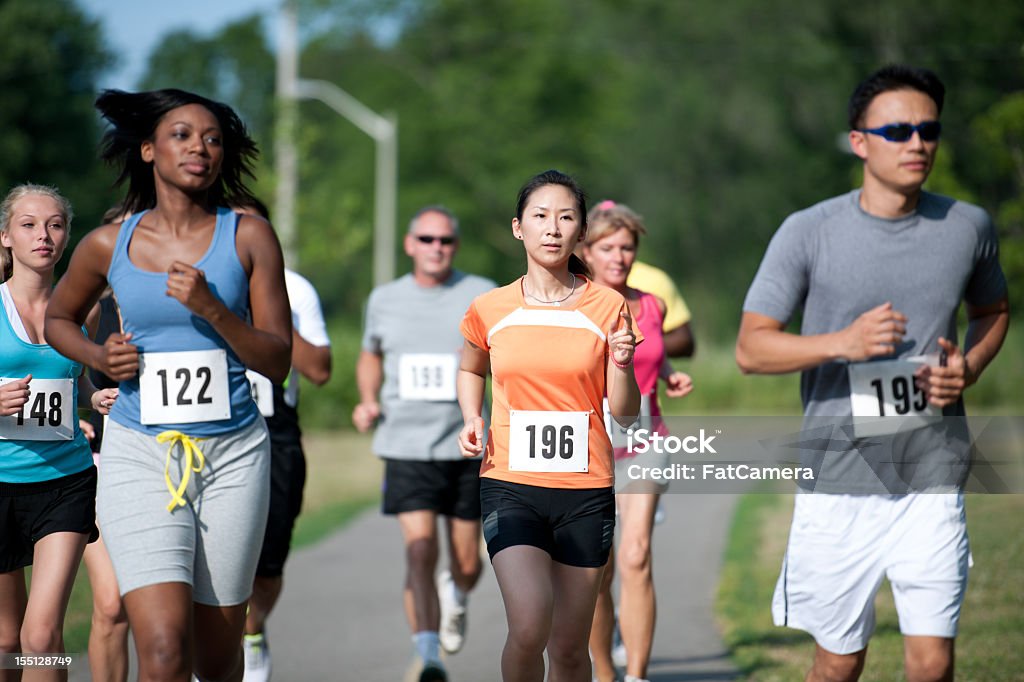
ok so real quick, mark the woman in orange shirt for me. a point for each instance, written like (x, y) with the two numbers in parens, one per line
(555, 344)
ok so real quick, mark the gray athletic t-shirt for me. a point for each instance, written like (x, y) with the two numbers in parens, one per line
(834, 261)
(416, 330)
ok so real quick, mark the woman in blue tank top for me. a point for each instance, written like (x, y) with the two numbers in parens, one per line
(47, 479)
(184, 486)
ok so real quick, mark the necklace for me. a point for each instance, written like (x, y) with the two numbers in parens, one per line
(559, 301)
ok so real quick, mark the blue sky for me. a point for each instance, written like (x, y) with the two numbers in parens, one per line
(132, 28)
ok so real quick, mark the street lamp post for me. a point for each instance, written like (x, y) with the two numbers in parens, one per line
(383, 129)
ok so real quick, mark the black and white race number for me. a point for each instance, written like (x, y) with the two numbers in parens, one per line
(549, 441)
(184, 387)
(885, 399)
(262, 392)
(49, 413)
(427, 376)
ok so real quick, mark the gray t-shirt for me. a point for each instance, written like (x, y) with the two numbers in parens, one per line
(416, 330)
(833, 261)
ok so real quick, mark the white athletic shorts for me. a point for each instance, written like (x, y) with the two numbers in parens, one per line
(842, 546)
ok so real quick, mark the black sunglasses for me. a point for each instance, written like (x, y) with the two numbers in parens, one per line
(901, 132)
(430, 239)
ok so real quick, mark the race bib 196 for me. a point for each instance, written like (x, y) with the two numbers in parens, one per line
(427, 376)
(548, 441)
(184, 387)
(49, 413)
(885, 399)
(262, 392)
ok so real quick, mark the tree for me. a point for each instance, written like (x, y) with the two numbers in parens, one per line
(50, 59)
(234, 66)
(1001, 130)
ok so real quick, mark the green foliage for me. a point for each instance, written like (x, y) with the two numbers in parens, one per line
(714, 120)
(1001, 131)
(234, 65)
(50, 58)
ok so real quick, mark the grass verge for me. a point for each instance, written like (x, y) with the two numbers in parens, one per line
(990, 646)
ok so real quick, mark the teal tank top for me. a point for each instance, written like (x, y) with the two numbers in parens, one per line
(35, 461)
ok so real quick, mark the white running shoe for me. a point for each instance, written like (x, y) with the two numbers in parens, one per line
(257, 658)
(453, 614)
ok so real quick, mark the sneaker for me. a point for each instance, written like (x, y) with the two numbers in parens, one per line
(433, 671)
(453, 615)
(257, 658)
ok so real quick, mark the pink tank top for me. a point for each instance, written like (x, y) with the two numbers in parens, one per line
(651, 353)
(647, 362)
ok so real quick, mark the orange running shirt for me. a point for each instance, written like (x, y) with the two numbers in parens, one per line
(546, 359)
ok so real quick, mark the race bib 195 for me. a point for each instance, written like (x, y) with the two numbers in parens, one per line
(549, 441)
(184, 387)
(49, 413)
(885, 399)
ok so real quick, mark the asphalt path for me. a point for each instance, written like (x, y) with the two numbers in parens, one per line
(340, 615)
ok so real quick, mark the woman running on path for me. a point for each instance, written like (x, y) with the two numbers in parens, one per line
(613, 235)
(183, 492)
(555, 344)
(47, 477)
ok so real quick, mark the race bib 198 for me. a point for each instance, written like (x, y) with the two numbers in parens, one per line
(549, 441)
(885, 399)
(49, 413)
(262, 392)
(184, 387)
(427, 376)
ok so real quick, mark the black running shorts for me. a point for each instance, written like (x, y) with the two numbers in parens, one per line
(31, 511)
(287, 481)
(448, 487)
(575, 527)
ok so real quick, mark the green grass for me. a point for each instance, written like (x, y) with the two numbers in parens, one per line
(990, 646)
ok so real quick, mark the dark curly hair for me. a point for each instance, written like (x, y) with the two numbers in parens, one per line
(133, 118)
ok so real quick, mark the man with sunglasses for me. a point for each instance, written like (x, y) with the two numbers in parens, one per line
(410, 358)
(879, 274)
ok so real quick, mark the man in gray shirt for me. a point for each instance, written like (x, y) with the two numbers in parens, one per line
(406, 377)
(879, 274)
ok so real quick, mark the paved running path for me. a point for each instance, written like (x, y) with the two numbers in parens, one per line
(340, 617)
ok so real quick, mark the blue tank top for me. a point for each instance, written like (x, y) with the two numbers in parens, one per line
(34, 461)
(160, 324)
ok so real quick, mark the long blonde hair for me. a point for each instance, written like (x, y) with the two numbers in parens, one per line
(7, 215)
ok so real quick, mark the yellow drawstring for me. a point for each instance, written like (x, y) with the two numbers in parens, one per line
(194, 461)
